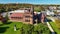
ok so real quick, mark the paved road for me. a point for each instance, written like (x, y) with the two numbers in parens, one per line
(52, 18)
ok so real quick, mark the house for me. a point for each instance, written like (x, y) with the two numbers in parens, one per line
(52, 7)
(58, 10)
(25, 16)
(48, 12)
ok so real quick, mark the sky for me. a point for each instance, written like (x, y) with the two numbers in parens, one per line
(31, 1)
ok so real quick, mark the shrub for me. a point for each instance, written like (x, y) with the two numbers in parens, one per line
(37, 29)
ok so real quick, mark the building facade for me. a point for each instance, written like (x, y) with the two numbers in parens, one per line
(25, 15)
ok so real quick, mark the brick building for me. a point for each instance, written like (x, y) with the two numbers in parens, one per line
(25, 15)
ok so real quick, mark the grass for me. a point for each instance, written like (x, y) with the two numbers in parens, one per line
(9, 28)
(37, 9)
(55, 27)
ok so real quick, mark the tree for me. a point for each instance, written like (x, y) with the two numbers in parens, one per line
(37, 9)
(5, 19)
(35, 29)
(42, 8)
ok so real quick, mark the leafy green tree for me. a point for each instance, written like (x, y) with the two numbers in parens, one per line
(37, 9)
(22, 31)
(7, 18)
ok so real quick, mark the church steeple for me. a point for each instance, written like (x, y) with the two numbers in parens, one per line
(32, 9)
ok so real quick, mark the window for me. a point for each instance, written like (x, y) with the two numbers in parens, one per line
(27, 20)
(17, 17)
(12, 17)
(27, 16)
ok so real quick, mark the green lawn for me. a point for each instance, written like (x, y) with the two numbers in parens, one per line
(55, 27)
(27, 28)
(9, 28)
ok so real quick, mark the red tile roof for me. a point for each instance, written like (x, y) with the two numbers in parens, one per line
(16, 15)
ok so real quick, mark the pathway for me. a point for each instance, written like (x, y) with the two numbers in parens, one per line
(49, 26)
(51, 29)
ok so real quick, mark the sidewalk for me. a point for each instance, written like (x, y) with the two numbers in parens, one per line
(51, 29)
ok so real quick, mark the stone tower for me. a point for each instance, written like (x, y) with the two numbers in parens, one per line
(28, 15)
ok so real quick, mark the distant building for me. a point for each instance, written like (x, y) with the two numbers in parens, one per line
(48, 12)
(4, 14)
(58, 10)
(1, 17)
(58, 7)
(52, 7)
